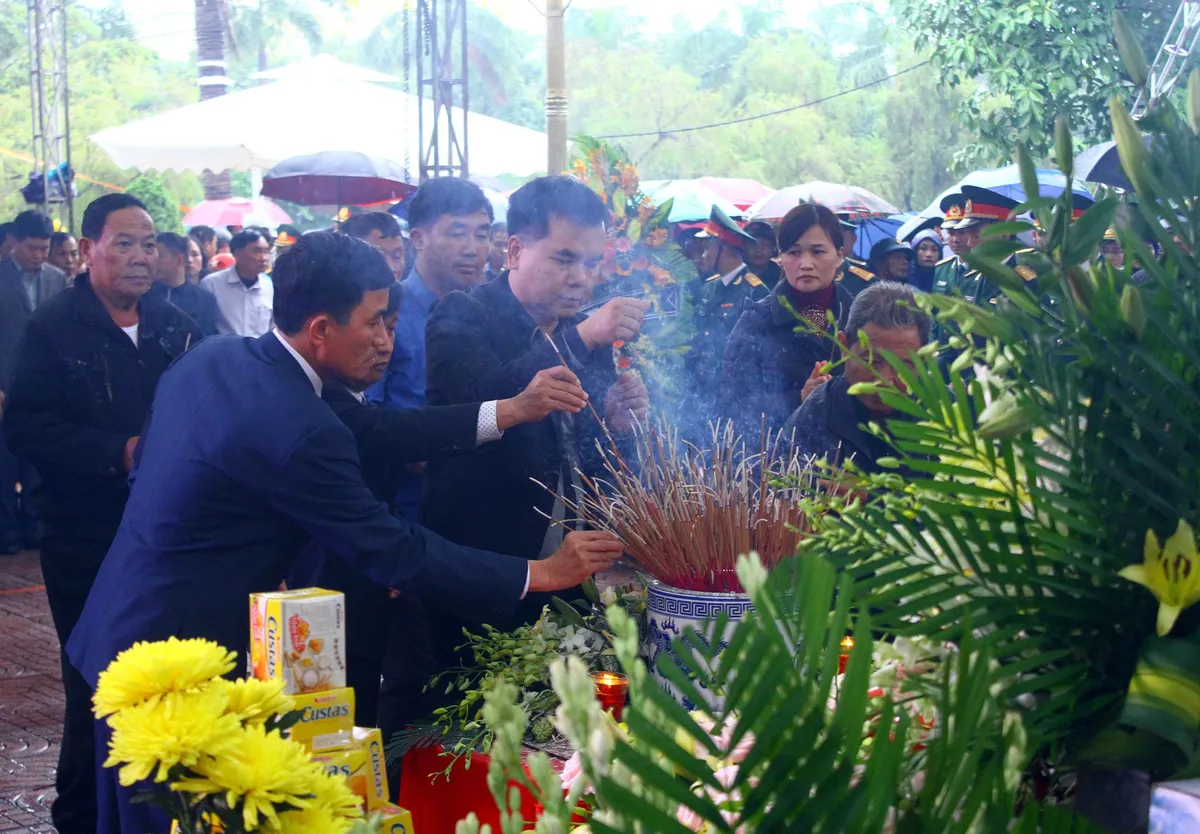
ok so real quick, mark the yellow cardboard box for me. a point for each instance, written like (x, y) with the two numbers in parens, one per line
(396, 820)
(326, 720)
(362, 765)
(299, 637)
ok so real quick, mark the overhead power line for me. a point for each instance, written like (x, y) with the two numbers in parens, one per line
(742, 119)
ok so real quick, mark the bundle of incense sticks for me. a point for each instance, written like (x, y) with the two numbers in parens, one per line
(685, 514)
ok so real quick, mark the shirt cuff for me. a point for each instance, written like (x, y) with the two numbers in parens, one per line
(486, 427)
(526, 591)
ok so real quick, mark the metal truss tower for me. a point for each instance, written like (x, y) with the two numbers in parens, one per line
(442, 85)
(1172, 59)
(49, 94)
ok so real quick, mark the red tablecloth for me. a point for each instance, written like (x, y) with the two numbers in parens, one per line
(437, 807)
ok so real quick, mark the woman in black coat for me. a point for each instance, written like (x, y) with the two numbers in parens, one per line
(774, 356)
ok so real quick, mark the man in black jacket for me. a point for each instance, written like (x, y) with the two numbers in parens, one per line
(831, 422)
(388, 440)
(493, 343)
(171, 284)
(83, 384)
(26, 281)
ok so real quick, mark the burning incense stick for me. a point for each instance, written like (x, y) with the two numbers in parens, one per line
(688, 513)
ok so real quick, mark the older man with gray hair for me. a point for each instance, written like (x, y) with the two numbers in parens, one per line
(830, 423)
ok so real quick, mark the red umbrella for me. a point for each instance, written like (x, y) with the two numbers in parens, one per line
(743, 193)
(236, 211)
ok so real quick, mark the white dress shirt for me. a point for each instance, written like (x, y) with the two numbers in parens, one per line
(241, 310)
(728, 277)
(486, 428)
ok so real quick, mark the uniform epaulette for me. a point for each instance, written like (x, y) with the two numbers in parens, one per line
(1024, 251)
(946, 260)
(857, 262)
(753, 280)
(713, 278)
(1025, 272)
(862, 273)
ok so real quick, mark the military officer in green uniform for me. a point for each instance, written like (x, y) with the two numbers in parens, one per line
(852, 273)
(726, 288)
(950, 270)
(983, 208)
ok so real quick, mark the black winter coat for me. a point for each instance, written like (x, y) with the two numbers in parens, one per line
(767, 362)
(80, 390)
(485, 346)
(829, 426)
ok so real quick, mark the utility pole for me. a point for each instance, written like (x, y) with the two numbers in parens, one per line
(556, 89)
(441, 42)
(49, 94)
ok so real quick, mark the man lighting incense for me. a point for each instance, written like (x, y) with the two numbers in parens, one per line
(493, 342)
(222, 504)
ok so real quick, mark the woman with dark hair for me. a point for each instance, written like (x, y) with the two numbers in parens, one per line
(774, 357)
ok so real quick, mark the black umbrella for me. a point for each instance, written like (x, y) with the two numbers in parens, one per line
(341, 178)
(1102, 163)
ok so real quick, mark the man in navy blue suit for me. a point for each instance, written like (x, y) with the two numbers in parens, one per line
(242, 464)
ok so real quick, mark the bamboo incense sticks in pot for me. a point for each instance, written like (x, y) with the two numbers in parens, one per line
(685, 514)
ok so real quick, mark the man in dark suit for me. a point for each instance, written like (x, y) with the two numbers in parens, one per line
(388, 440)
(221, 507)
(492, 343)
(26, 280)
(84, 379)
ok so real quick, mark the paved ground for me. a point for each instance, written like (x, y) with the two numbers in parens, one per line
(31, 698)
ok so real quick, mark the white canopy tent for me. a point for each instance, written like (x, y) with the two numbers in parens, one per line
(324, 66)
(261, 126)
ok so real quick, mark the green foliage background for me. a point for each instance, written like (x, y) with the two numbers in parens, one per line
(982, 75)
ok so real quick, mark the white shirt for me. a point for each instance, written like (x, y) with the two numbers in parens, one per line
(728, 277)
(241, 310)
(132, 333)
(486, 428)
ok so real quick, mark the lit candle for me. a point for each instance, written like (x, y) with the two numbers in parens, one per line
(847, 644)
(611, 689)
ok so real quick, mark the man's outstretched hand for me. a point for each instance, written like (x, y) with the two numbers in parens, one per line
(580, 556)
(553, 389)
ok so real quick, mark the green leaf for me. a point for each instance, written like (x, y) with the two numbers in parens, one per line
(1193, 101)
(1029, 180)
(1131, 51)
(1063, 145)
(1130, 145)
(568, 612)
(1133, 311)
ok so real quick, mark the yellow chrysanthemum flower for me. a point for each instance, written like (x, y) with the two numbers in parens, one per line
(259, 772)
(333, 794)
(312, 821)
(1170, 572)
(147, 671)
(254, 701)
(175, 729)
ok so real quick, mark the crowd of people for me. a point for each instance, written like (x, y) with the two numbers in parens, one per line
(403, 418)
